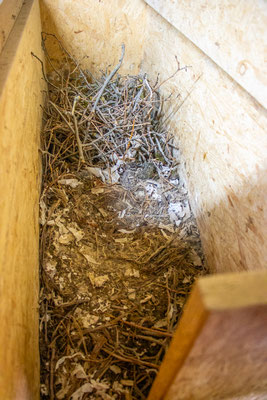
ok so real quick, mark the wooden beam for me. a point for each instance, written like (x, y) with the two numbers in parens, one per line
(219, 350)
(21, 86)
(9, 10)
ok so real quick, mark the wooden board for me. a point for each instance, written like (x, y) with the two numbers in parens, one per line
(93, 31)
(220, 129)
(219, 126)
(20, 122)
(219, 350)
(231, 33)
(9, 10)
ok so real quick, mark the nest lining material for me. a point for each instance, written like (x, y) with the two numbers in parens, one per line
(120, 248)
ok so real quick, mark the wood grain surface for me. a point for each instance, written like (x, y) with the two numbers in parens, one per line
(221, 132)
(20, 123)
(9, 10)
(227, 358)
(93, 31)
(231, 33)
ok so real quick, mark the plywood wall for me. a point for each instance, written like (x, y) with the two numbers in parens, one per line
(20, 122)
(231, 33)
(221, 131)
(219, 124)
(93, 31)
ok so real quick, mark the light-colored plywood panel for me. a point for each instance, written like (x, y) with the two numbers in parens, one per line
(231, 33)
(93, 31)
(221, 133)
(9, 10)
(228, 350)
(20, 123)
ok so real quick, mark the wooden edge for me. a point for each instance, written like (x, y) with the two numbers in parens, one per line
(9, 11)
(248, 79)
(224, 292)
(192, 321)
(9, 52)
(21, 94)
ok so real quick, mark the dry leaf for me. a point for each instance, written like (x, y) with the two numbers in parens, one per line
(186, 280)
(132, 272)
(79, 372)
(98, 281)
(115, 369)
(131, 294)
(50, 267)
(161, 323)
(66, 238)
(88, 320)
(88, 388)
(125, 231)
(168, 228)
(103, 212)
(90, 259)
(70, 182)
(43, 210)
(78, 234)
(127, 382)
(62, 359)
(97, 190)
(146, 299)
(61, 394)
(122, 240)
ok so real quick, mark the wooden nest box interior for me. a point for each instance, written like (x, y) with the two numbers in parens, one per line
(219, 349)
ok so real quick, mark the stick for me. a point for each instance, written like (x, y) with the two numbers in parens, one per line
(44, 75)
(79, 143)
(130, 359)
(156, 332)
(170, 77)
(69, 55)
(60, 113)
(109, 78)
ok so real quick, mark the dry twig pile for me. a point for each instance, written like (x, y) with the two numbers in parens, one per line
(120, 249)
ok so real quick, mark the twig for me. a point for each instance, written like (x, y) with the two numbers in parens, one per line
(129, 142)
(110, 76)
(62, 116)
(69, 55)
(52, 373)
(130, 359)
(144, 328)
(170, 77)
(79, 143)
(43, 71)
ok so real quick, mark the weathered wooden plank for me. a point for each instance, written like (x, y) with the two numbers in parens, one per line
(226, 357)
(9, 10)
(20, 121)
(231, 33)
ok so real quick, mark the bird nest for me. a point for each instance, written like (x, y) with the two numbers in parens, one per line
(120, 248)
